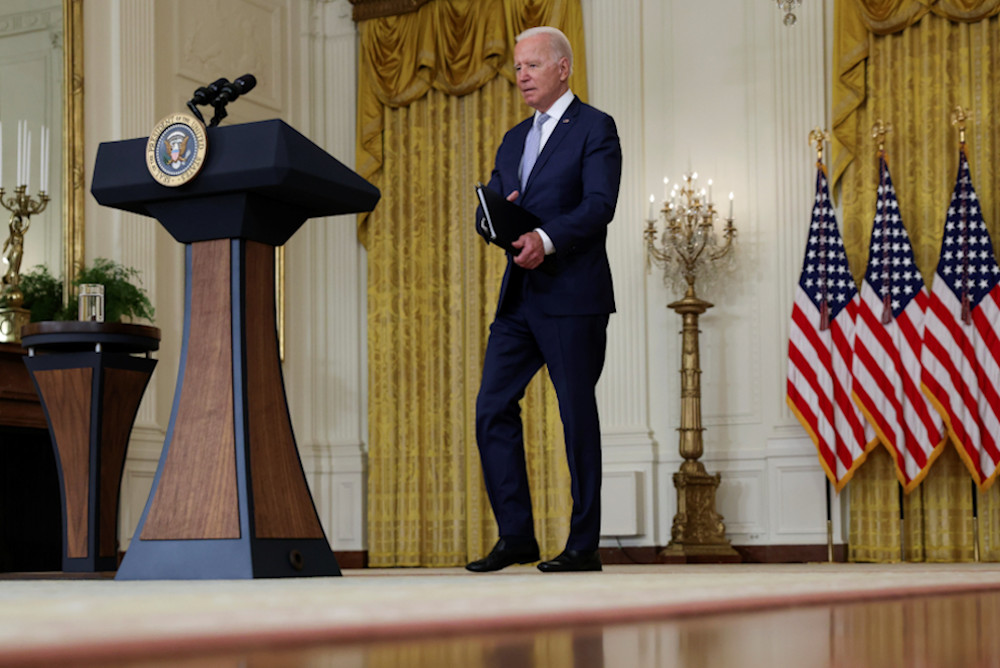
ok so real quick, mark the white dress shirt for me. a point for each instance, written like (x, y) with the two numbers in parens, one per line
(555, 112)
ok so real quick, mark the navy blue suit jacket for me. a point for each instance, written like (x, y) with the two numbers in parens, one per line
(573, 189)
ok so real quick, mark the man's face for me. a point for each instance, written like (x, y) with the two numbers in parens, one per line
(540, 77)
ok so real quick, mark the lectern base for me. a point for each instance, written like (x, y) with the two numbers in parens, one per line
(227, 559)
(229, 499)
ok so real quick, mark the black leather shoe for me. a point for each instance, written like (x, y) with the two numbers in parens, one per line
(572, 561)
(505, 554)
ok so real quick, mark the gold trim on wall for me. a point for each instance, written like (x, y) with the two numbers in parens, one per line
(72, 163)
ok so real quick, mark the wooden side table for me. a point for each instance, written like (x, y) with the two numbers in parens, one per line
(30, 539)
(90, 377)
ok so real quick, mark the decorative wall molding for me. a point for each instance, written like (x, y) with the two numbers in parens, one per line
(622, 496)
(325, 345)
(137, 234)
(231, 39)
(31, 21)
(613, 83)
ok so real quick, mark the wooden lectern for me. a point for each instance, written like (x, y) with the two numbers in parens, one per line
(230, 499)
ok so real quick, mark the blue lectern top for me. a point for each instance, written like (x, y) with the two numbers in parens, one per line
(259, 181)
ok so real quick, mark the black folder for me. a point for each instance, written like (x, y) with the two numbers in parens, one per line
(503, 222)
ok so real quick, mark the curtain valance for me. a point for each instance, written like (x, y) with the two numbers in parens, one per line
(855, 21)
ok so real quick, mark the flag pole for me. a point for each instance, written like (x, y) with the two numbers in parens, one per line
(902, 531)
(958, 118)
(975, 523)
(829, 524)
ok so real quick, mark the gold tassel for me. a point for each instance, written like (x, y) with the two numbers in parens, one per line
(886, 310)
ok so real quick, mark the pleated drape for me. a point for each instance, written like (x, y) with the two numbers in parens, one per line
(858, 25)
(435, 98)
(909, 63)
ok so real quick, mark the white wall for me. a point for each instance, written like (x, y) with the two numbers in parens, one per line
(721, 87)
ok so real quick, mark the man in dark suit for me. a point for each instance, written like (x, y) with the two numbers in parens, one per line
(564, 165)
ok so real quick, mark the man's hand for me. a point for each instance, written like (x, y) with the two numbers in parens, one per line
(513, 196)
(532, 250)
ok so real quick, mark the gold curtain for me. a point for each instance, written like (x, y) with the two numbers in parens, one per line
(435, 97)
(858, 28)
(909, 63)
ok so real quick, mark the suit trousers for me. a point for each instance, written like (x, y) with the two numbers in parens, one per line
(522, 339)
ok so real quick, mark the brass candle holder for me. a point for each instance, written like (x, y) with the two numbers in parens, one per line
(689, 246)
(21, 206)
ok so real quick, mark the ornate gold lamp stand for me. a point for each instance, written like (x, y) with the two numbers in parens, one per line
(21, 207)
(688, 246)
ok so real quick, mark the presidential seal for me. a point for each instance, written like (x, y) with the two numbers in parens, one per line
(176, 149)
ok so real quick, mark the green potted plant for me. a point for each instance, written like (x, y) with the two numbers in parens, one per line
(124, 296)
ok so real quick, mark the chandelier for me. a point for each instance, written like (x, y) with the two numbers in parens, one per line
(788, 7)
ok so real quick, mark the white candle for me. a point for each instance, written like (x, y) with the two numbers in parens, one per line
(666, 193)
(41, 160)
(27, 164)
(710, 191)
(1, 155)
(652, 208)
(730, 206)
(44, 172)
(20, 152)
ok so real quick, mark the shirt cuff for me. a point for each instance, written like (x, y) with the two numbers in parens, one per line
(549, 246)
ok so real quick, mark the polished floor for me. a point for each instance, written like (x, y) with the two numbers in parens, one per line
(943, 630)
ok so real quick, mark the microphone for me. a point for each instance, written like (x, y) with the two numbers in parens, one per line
(206, 94)
(228, 92)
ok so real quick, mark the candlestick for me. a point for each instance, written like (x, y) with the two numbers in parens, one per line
(691, 248)
(21, 206)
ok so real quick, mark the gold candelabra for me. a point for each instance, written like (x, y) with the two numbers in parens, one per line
(688, 247)
(21, 206)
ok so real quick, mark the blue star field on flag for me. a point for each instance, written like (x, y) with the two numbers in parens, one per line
(967, 263)
(826, 276)
(892, 270)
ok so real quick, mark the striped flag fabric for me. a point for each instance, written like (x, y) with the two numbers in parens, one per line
(888, 339)
(961, 370)
(820, 347)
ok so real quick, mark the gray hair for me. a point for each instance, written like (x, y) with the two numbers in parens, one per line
(558, 42)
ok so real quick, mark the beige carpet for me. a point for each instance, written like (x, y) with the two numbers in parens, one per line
(46, 620)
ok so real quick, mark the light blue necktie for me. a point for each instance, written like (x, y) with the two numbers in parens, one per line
(531, 148)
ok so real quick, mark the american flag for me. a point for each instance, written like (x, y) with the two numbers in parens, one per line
(889, 334)
(820, 347)
(961, 372)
